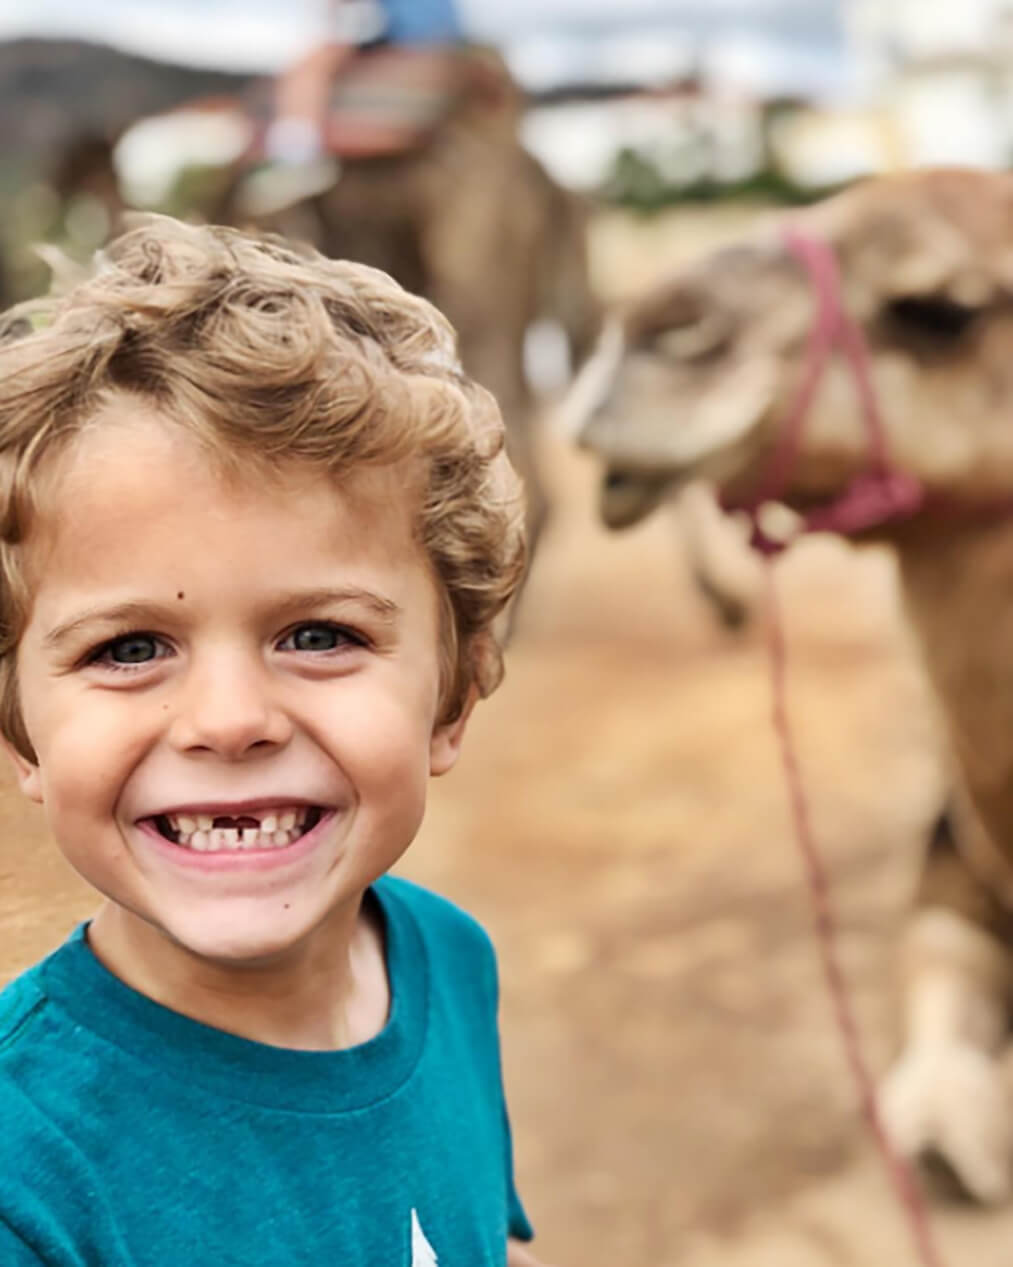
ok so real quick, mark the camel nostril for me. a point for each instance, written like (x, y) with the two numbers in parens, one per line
(614, 480)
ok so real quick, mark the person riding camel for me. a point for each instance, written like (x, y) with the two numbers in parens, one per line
(385, 74)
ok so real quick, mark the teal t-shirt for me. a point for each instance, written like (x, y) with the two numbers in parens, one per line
(132, 1136)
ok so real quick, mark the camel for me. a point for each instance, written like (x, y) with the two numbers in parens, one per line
(475, 223)
(696, 379)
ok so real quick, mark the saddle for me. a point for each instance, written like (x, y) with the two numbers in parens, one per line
(392, 98)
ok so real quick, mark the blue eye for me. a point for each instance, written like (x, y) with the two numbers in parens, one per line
(133, 649)
(321, 636)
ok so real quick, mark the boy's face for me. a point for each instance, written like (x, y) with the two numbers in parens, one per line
(232, 689)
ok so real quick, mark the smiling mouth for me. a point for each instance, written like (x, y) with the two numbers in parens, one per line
(224, 833)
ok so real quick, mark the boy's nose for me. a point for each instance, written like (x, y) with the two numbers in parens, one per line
(229, 710)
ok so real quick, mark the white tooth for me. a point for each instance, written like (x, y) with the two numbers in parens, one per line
(218, 838)
(286, 821)
(270, 823)
(251, 838)
(173, 821)
(185, 826)
(199, 841)
(281, 838)
(205, 822)
(230, 837)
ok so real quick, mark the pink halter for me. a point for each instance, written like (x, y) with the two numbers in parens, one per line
(881, 493)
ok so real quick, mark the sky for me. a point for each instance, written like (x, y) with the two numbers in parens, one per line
(250, 20)
(543, 39)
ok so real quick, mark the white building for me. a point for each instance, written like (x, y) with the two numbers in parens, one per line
(943, 71)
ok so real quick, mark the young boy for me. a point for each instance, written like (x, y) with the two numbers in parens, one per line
(255, 526)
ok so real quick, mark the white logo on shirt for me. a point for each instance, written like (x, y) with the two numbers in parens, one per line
(423, 1254)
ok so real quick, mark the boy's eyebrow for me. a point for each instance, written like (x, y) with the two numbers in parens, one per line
(383, 609)
(118, 613)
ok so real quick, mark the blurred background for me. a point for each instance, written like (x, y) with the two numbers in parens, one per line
(618, 820)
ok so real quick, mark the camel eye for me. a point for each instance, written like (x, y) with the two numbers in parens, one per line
(932, 317)
(701, 334)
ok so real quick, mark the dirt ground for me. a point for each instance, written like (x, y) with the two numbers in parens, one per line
(619, 823)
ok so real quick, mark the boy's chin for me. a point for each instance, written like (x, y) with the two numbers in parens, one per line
(234, 936)
(235, 940)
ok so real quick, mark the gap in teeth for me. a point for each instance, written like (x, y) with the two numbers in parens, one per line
(222, 833)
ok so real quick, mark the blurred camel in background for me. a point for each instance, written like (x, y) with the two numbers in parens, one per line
(63, 103)
(474, 222)
(696, 380)
(464, 215)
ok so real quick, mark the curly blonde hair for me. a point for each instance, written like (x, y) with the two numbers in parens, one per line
(267, 353)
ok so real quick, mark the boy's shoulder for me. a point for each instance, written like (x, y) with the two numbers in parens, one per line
(433, 912)
(21, 1003)
(34, 1032)
(34, 1049)
(451, 936)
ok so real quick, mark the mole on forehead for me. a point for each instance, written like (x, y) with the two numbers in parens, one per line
(383, 609)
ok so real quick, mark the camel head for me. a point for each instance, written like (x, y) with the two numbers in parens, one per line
(694, 379)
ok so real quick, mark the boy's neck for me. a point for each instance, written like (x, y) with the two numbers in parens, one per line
(330, 993)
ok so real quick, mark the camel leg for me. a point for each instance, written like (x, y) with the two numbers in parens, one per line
(944, 1099)
(483, 225)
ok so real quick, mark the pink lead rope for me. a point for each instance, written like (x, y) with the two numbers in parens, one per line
(880, 494)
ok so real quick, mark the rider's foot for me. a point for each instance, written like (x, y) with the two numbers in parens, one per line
(273, 186)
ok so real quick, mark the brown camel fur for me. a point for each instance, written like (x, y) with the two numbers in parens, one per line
(694, 380)
(470, 219)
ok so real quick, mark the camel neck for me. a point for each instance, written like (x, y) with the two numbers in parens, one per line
(957, 584)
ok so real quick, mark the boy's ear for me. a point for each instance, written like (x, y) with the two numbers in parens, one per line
(445, 744)
(26, 772)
